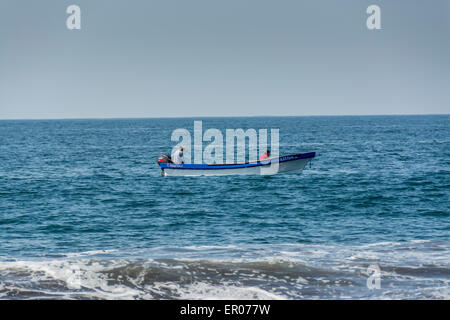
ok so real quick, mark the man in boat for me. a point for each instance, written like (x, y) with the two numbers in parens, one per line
(177, 156)
(265, 156)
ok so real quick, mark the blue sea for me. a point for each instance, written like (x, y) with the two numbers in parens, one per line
(85, 213)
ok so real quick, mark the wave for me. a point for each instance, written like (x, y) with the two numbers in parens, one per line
(409, 270)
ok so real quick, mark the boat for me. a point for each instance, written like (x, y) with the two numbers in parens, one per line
(286, 163)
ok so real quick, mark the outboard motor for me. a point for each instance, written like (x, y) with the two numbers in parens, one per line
(164, 158)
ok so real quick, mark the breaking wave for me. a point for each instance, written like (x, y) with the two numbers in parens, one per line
(409, 270)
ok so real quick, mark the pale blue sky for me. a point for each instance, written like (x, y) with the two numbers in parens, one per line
(176, 58)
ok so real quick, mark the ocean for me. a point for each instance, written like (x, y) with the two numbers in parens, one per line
(85, 214)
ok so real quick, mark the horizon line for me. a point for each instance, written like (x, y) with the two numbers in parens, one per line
(223, 116)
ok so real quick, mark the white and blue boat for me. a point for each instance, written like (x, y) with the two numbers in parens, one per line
(287, 163)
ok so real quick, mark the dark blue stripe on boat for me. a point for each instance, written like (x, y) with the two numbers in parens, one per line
(237, 165)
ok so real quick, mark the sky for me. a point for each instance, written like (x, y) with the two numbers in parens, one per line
(194, 58)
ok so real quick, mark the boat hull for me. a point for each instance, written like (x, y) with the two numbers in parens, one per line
(289, 163)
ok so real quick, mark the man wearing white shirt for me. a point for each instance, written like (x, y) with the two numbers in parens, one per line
(177, 156)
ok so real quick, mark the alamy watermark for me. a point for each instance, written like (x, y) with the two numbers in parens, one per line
(374, 279)
(74, 20)
(373, 22)
(232, 145)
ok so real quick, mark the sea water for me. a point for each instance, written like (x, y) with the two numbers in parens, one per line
(85, 214)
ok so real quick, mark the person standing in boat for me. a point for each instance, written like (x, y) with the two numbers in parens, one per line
(177, 156)
(265, 156)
